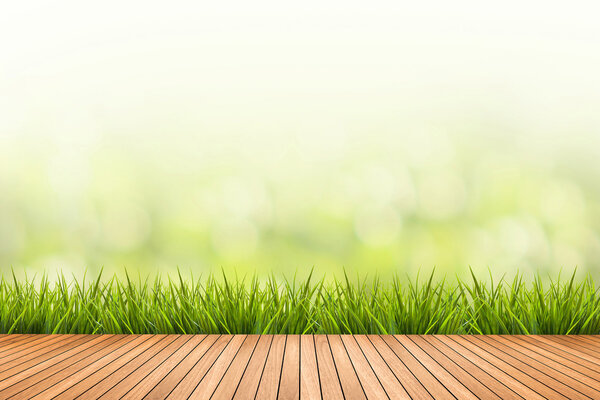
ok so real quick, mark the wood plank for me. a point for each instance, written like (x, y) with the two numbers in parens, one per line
(145, 385)
(289, 384)
(13, 338)
(166, 386)
(87, 377)
(537, 371)
(30, 368)
(27, 345)
(591, 350)
(308, 366)
(207, 386)
(428, 368)
(592, 339)
(578, 361)
(42, 354)
(187, 385)
(310, 386)
(405, 376)
(328, 375)
(519, 388)
(268, 387)
(351, 387)
(59, 372)
(110, 380)
(249, 383)
(124, 385)
(366, 375)
(227, 387)
(539, 385)
(566, 367)
(392, 386)
(467, 373)
(388, 347)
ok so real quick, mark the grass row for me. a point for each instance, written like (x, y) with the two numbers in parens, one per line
(220, 305)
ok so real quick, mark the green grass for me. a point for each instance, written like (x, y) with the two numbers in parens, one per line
(220, 305)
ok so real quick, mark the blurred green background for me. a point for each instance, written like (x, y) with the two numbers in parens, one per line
(272, 138)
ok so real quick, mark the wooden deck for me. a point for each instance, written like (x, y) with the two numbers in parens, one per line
(292, 367)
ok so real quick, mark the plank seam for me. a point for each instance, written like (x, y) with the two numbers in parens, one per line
(245, 368)
(482, 370)
(562, 351)
(172, 369)
(79, 341)
(392, 371)
(356, 373)
(262, 372)
(68, 349)
(107, 376)
(518, 369)
(424, 367)
(372, 369)
(126, 340)
(155, 368)
(554, 369)
(524, 361)
(196, 363)
(317, 364)
(449, 372)
(129, 374)
(281, 370)
(226, 369)
(212, 365)
(334, 366)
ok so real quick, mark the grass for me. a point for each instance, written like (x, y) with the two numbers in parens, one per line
(220, 305)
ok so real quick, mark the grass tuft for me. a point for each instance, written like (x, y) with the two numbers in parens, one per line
(223, 305)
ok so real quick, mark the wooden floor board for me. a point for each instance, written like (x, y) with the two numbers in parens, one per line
(386, 374)
(268, 386)
(229, 383)
(583, 347)
(65, 369)
(331, 387)
(14, 350)
(28, 370)
(549, 365)
(124, 385)
(71, 388)
(578, 361)
(492, 370)
(269, 367)
(289, 382)
(431, 369)
(188, 384)
(144, 386)
(349, 381)
(370, 382)
(250, 379)
(177, 374)
(38, 355)
(545, 374)
(468, 374)
(90, 366)
(110, 380)
(518, 370)
(310, 385)
(207, 386)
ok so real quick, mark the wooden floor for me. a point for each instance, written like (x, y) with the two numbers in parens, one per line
(291, 367)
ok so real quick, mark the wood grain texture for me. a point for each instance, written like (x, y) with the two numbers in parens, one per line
(299, 367)
(268, 387)
(350, 384)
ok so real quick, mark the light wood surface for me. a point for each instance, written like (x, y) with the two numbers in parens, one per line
(299, 367)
